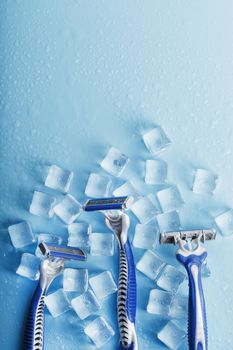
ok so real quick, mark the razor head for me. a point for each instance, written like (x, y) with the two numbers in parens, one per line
(62, 252)
(111, 203)
(174, 237)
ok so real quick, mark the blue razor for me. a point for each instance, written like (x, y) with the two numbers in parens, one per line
(49, 269)
(118, 222)
(192, 259)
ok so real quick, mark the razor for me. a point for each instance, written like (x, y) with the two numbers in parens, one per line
(118, 222)
(50, 268)
(191, 254)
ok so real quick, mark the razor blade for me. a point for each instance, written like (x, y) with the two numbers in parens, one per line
(111, 203)
(62, 252)
(175, 237)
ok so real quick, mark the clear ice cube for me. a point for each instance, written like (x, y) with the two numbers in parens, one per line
(145, 236)
(99, 331)
(75, 280)
(47, 238)
(144, 209)
(172, 335)
(68, 210)
(114, 162)
(224, 222)
(21, 234)
(79, 234)
(57, 303)
(150, 264)
(126, 189)
(102, 244)
(179, 307)
(29, 266)
(59, 179)
(205, 270)
(170, 278)
(168, 221)
(159, 302)
(103, 285)
(156, 140)
(85, 304)
(42, 204)
(170, 199)
(204, 182)
(156, 171)
(97, 185)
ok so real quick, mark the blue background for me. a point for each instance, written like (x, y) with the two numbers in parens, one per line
(79, 76)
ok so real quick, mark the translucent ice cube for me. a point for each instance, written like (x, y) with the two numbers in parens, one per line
(103, 285)
(144, 209)
(204, 181)
(179, 307)
(97, 185)
(99, 331)
(79, 234)
(170, 199)
(156, 171)
(21, 234)
(85, 304)
(205, 271)
(42, 204)
(172, 335)
(75, 280)
(168, 221)
(159, 302)
(224, 222)
(170, 278)
(114, 162)
(57, 303)
(59, 179)
(102, 244)
(47, 238)
(150, 264)
(68, 210)
(145, 236)
(29, 266)
(126, 189)
(156, 140)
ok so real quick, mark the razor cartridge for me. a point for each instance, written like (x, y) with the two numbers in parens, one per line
(62, 252)
(111, 203)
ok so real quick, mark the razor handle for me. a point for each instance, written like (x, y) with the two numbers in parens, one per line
(197, 322)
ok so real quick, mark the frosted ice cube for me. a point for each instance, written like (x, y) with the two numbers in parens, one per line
(179, 307)
(168, 221)
(159, 302)
(172, 335)
(205, 270)
(150, 264)
(224, 222)
(145, 236)
(97, 185)
(102, 244)
(170, 278)
(156, 171)
(114, 162)
(99, 331)
(170, 199)
(59, 179)
(47, 238)
(156, 140)
(29, 266)
(21, 234)
(103, 285)
(75, 280)
(85, 304)
(204, 182)
(126, 189)
(57, 303)
(79, 234)
(144, 209)
(68, 210)
(42, 204)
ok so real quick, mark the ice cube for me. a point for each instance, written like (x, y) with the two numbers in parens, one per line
(114, 162)
(205, 270)
(126, 189)
(57, 303)
(97, 185)
(103, 285)
(42, 204)
(170, 199)
(179, 307)
(144, 209)
(79, 234)
(150, 264)
(68, 210)
(21, 234)
(156, 140)
(75, 280)
(59, 179)
(224, 222)
(102, 244)
(168, 221)
(145, 236)
(170, 278)
(47, 238)
(172, 335)
(85, 304)
(156, 171)
(29, 266)
(159, 302)
(99, 331)
(204, 182)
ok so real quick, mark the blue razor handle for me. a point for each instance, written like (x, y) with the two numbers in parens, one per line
(197, 322)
